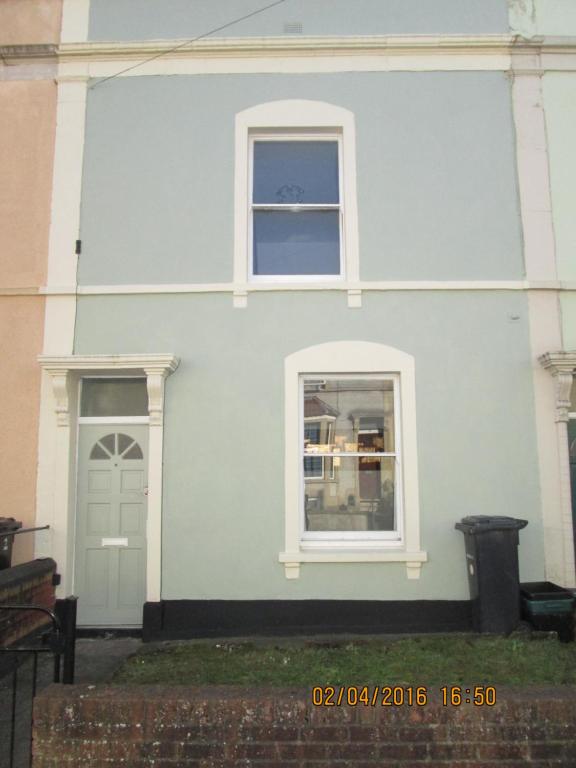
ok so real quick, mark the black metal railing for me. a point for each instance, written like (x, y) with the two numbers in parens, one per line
(60, 641)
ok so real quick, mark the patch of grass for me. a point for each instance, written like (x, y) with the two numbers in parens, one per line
(408, 661)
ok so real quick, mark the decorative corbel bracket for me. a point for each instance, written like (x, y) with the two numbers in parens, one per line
(240, 299)
(155, 378)
(292, 570)
(60, 389)
(562, 366)
(413, 569)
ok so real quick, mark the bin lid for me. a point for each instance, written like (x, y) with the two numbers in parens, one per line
(483, 523)
(9, 524)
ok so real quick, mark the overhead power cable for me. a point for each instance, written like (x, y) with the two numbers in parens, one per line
(187, 42)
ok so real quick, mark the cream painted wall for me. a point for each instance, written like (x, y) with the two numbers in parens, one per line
(27, 133)
(568, 307)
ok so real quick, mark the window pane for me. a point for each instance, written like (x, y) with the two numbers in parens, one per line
(109, 442)
(98, 452)
(295, 172)
(114, 397)
(123, 442)
(349, 416)
(350, 494)
(134, 453)
(303, 243)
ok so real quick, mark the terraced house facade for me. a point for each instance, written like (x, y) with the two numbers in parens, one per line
(310, 300)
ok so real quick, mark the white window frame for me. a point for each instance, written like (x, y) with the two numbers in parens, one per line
(294, 119)
(342, 539)
(301, 135)
(360, 359)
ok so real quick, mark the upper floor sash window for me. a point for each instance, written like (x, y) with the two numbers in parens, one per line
(296, 207)
(296, 218)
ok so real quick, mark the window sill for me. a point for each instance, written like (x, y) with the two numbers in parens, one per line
(323, 283)
(292, 560)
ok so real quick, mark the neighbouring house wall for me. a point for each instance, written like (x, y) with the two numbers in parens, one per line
(543, 17)
(555, 17)
(568, 306)
(437, 196)
(30, 21)
(21, 324)
(147, 19)
(559, 90)
(27, 133)
(560, 104)
(27, 130)
(223, 510)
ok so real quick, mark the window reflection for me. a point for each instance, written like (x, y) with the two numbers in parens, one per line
(360, 414)
(353, 494)
(344, 492)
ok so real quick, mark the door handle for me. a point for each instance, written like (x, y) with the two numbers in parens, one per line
(146, 490)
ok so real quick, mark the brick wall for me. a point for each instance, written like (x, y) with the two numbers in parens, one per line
(165, 727)
(30, 583)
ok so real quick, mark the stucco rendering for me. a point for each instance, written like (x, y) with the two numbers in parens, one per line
(473, 438)
(28, 31)
(166, 221)
(138, 20)
(560, 100)
(29, 22)
(543, 17)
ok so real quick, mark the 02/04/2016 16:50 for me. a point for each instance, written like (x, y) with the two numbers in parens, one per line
(399, 696)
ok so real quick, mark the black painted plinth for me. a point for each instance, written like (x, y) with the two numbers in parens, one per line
(187, 619)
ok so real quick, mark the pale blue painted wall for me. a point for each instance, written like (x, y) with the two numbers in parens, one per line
(437, 191)
(223, 524)
(158, 19)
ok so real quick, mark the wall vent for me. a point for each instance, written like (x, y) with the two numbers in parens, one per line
(292, 27)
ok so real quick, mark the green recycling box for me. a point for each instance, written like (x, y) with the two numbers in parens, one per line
(548, 607)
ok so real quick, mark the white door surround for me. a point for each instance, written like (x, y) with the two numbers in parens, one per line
(562, 366)
(58, 471)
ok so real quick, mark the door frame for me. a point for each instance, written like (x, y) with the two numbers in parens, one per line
(58, 461)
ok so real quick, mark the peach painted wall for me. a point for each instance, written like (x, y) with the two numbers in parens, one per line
(30, 21)
(21, 329)
(27, 133)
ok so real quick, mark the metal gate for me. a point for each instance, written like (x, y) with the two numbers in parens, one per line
(19, 678)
